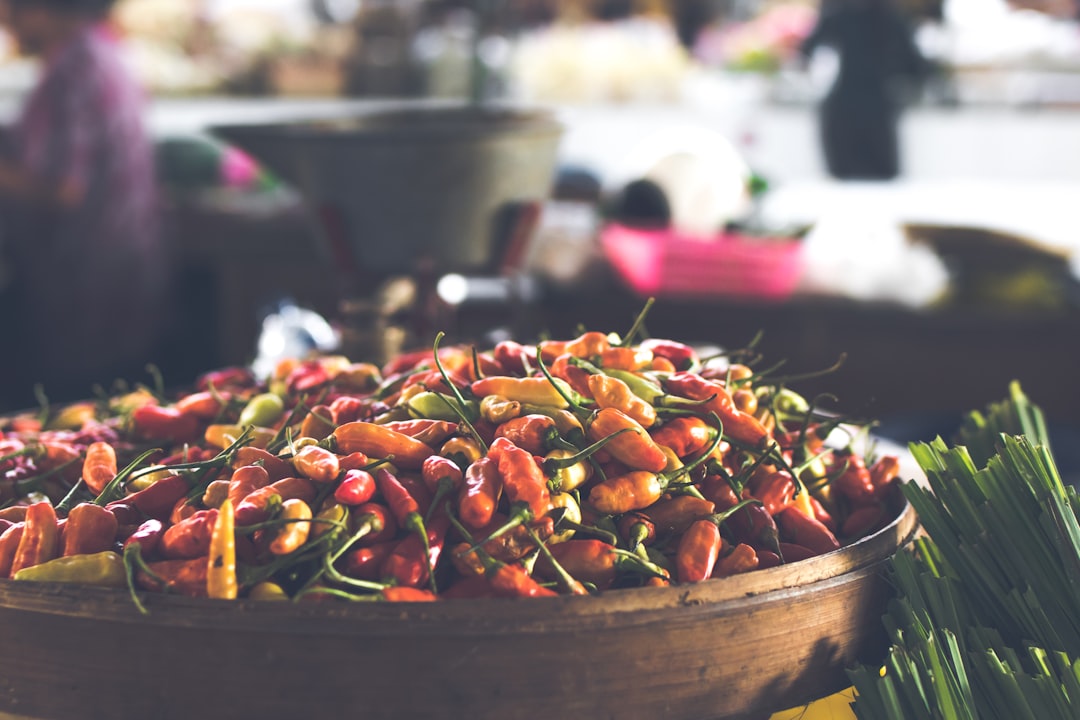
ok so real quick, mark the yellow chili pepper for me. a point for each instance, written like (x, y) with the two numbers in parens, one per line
(293, 533)
(614, 393)
(267, 591)
(103, 568)
(537, 390)
(221, 570)
(221, 436)
(572, 477)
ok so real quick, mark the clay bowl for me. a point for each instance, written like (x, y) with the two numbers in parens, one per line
(736, 647)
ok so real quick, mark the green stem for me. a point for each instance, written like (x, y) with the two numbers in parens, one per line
(639, 321)
(459, 411)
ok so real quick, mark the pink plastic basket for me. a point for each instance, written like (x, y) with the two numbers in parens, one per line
(666, 263)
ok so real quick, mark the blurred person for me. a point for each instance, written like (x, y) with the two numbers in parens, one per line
(78, 209)
(860, 114)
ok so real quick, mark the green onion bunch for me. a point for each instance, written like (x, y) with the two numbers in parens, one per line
(986, 622)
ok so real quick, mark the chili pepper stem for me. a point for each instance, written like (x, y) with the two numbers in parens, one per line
(31, 484)
(414, 522)
(639, 323)
(122, 477)
(133, 561)
(599, 533)
(552, 465)
(460, 409)
(580, 411)
(521, 515)
(566, 580)
(69, 499)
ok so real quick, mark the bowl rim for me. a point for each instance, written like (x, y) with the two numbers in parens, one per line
(468, 616)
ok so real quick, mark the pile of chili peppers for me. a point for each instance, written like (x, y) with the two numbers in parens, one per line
(569, 467)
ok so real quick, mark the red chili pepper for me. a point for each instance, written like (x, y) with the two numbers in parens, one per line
(409, 564)
(186, 577)
(306, 377)
(774, 488)
(699, 547)
(125, 514)
(673, 515)
(439, 472)
(429, 432)
(884, 474)
(854, 481)
(754, 526)
(203, 405)
(365, 563)
(232, 378)
(768, 559)
(636, 529)
(189, 538)
(353, 461)
(408, 594)
(40, 537)
(246, 480)
(522, 477)
(480, 493)
(9, 545)
(591, 561)
(822, 515)
(532, 433)
(257, 506)
(148, 536)
(864, 520)
(401, 503)
(347, 409)
(383, 525)
(795, 527)
(356, 488)
(686, 435)
(634, 448)
(739, 425)
(683, 357)
(794, 553)
(157, 422)
(511, 580)
(157, 501)
(90, 529)
(576, 377)
(514, 359)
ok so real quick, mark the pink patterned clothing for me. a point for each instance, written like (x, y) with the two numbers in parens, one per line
(91, 279)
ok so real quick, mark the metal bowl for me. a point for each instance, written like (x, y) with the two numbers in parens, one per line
(411, 185)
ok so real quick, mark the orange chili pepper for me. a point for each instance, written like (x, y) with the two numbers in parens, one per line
(186, 577)
(576, 377)
(277, 468)
(480, 493)
(742, 558)
(257, 506)
(738, 425)
(511, 580)
(9, 545)
(318, 423)
(89, 529)
(189, 538)
(40, 540)
(380, 442)
(686, 435)
(203, 405)
(429, 432)
(699, 547)
(621, 494)
(611, 392)
(634, 449)
(626, 358)
(532, 433)
(408, 594)
(246, 480)
(317, 464)
(522, 478)
(99, 467)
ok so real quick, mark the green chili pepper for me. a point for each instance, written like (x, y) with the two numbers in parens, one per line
(436, 406)
(103, 568)
(262, 410)
(646, 390)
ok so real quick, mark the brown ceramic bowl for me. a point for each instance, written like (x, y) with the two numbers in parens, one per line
(738, 647)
